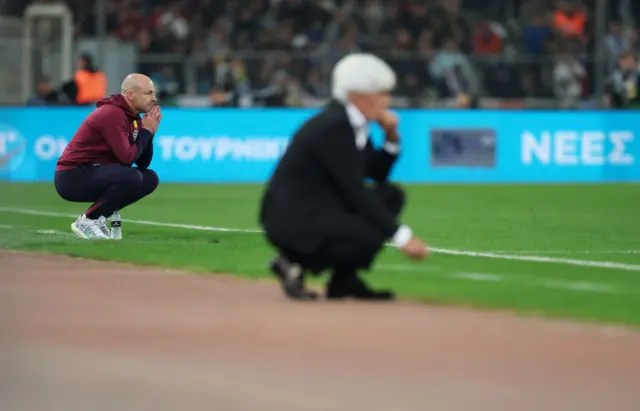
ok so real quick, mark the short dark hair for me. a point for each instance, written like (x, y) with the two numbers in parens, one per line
(88, 61)
(625, 55)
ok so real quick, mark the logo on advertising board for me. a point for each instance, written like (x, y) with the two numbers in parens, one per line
(214, 148)
(578, 148)
(463, 148)
(13, 147)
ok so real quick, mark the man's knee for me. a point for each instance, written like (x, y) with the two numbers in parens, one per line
(393, 197)
(368, 249)
(150, 181)
(356, 252)
(360, 255)
(133, 180)
(397, 195)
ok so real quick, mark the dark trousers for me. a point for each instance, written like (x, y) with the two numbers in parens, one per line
(354, 242)
(109, 187)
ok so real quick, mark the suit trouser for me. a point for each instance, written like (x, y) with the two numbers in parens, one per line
(353, 242)
(109, 187)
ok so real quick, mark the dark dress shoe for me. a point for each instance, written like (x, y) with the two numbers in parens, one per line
(352, 286)
(291, 276)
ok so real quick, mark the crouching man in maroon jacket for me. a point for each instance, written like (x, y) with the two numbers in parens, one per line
(97, 164)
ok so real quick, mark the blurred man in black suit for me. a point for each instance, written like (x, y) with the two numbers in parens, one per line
(317, 210)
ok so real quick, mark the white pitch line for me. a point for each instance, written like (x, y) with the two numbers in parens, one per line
(6, 226)
(565, 252)
(577, 286)
(582, 286)
(492, 255)
(142, 222)
(56, 233)
(478, 277)
(541, 259)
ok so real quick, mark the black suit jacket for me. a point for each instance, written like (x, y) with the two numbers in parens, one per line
(320, 176)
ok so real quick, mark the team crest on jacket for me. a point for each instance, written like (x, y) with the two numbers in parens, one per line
(135, 130)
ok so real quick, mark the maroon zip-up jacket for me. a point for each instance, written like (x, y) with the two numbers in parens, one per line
(111, 134)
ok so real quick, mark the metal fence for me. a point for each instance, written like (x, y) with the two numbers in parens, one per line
(529, 79)
(23, 63)
(11, 50)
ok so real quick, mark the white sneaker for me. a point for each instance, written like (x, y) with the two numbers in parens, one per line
(102, 223)
(90, 229)
(116, 226)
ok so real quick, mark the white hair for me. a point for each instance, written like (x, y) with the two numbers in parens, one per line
(361, 73)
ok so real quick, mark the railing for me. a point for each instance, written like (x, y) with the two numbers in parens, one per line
(36, 46)
(11, 50)
(528, 79)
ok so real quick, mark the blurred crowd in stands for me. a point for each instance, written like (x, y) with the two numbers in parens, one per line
(280, 52)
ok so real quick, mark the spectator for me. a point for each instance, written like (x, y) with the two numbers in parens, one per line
(218, 39)
(275, 94)
(130, 22)
(315, 33)
(502, 83)
(46, 95)
(425, 45)
(449, 23)
(615, 43)
(90, 83)
(294, 93)
(316, 86)
(452, 70)
(417, 18)
(568, 75)
(388, 28)
(231, 80)
(167, 100)
(486, 40)
(570, 19)
(428, 42)
(207, 11)
(622, 88)
(166, 82)
(174, 20)
(347, 43)
(465, 101)
(411, 88)
(530, 8)
(245, 28)
(535, 35)
(402, 42)
(373, 14)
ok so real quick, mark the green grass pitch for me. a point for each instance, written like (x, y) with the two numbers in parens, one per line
(588, 223)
